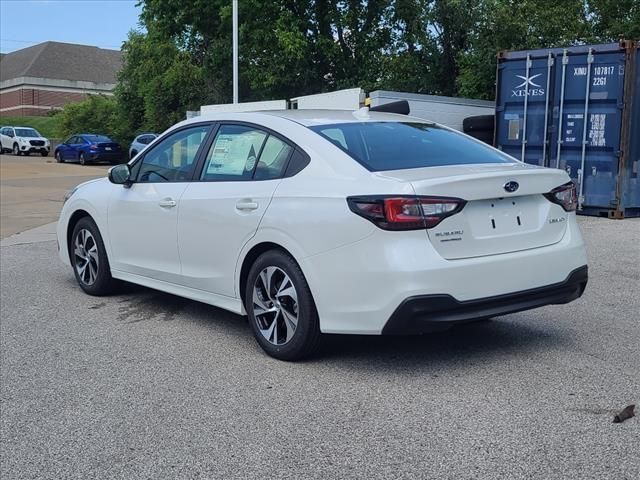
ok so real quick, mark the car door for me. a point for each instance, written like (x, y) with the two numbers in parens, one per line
(3, 139)
(66, 149)
(8, 138)
(221, 209)
(142, 218)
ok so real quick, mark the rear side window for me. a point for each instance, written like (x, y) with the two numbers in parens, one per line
(242, 153)
(380, 146)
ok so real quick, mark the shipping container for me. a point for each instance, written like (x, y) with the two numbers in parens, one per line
(578, 109)
(449, 111)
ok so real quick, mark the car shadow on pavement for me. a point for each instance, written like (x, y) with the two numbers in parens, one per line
(464, 343)
(481, 341)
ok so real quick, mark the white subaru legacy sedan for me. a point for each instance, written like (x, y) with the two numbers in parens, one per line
(314, 222)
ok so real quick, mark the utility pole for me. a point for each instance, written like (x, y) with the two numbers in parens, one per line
(235, 51)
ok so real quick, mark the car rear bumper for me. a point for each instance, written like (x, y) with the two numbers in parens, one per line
(358, 287)
(424, 313)
(106, 157)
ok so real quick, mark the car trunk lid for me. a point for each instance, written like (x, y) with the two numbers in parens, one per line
(494, 220)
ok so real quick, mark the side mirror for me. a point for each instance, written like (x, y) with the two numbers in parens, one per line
(120, 174)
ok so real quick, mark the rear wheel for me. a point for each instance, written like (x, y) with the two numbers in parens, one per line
(280, 307)
(83, 161)
(89, 259)
(58, 156)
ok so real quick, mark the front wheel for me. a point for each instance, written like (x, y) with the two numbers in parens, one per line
(44, 154)
(16, 149)
(58, 156)
(281, 310)
(89, 259)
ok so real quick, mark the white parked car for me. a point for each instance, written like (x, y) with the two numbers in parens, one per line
(140, 143)
(23, 141)
(329, 221)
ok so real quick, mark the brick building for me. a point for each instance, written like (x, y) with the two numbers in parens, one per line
(49, 75)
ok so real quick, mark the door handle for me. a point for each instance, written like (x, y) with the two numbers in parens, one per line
(167, 203)
(247, 205)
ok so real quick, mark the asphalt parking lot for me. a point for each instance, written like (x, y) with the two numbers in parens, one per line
(32, 189)
(147, 385)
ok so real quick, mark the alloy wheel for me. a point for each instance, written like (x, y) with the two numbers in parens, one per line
(86, 257)
(16, 150)
(275, 305)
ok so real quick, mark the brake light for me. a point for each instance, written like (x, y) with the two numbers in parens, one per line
(565, 196)
(93, 145)
(400, 212)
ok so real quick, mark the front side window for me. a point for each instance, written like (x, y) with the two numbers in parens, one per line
(172, 159)
(380, 146)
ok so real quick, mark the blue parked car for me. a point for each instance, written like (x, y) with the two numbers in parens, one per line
(88, 147)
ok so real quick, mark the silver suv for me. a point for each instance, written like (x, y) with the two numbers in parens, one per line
(140, 143)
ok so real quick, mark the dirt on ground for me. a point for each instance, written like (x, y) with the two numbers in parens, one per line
(32, 189)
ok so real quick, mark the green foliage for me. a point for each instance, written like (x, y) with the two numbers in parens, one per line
(296, 47)
(49, 127)
(97, 114)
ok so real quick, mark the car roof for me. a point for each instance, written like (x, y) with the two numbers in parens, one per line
(313, 117)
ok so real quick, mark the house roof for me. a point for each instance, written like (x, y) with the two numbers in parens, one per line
(62, 61)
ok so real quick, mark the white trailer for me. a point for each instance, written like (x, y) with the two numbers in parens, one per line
(349, 99)
(449, 111)
(244, 106)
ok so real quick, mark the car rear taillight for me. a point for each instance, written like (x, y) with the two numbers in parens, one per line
(93, 145)
(400, 212)
(565, 196)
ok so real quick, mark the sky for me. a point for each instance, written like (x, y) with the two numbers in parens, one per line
(101, 23)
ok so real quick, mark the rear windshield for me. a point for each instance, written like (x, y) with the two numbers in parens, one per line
(98, 138)
(27, 132)
(399, 145)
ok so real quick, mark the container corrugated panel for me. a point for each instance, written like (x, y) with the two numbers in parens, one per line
(577, 109)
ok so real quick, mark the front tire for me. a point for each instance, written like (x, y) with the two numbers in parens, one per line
(89, 259)
(44, 154)
(58, 156)
(16, 150)
(281, 310)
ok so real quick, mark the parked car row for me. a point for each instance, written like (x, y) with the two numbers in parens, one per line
(23, 141)
(82, 147)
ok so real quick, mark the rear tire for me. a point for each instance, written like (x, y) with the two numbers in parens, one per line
(83, 161)
(89, 259)
(58, 156)
(280, 307)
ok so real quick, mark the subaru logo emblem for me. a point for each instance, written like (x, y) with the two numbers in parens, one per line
(511, 186)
